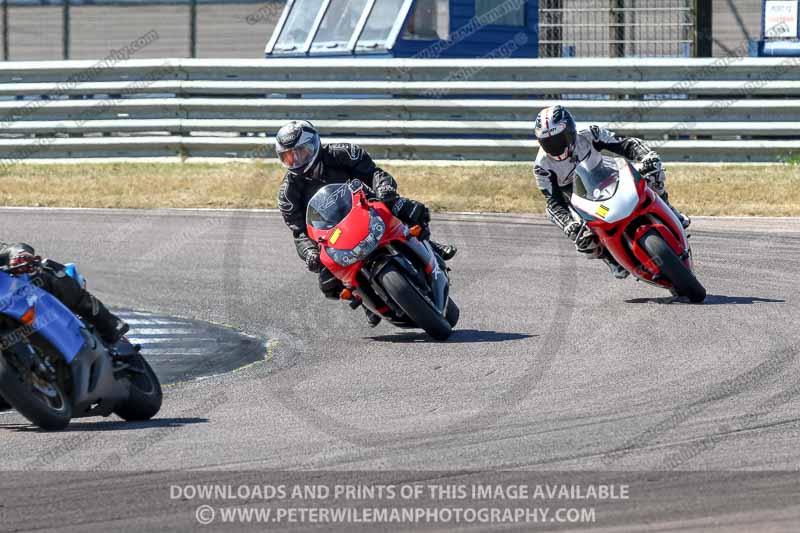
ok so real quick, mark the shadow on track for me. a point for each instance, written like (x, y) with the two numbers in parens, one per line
(113, 425)
(711, 299)
(458, 336)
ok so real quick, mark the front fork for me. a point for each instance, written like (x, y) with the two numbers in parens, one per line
(434, 270)
(28, 361)
(433, 276)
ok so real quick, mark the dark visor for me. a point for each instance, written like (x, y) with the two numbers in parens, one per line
(556, 144)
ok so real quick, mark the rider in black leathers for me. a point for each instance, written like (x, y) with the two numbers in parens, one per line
(312, 165)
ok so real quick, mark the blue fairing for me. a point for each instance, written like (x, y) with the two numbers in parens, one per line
(53, 320)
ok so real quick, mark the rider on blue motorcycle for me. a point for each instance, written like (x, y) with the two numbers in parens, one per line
(20, 258)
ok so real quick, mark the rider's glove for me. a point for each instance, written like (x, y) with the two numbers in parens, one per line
(571, 230)
(313, 264)
(588, 243)
(653, 172)
(411, 212)
(386, 193)
(650, 163)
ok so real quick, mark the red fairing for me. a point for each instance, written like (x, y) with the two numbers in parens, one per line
(395, 229)
(617, 241)
(353, 229)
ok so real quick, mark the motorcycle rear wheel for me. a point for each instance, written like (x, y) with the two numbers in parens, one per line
(145, 397)
(672, 267)
(50, 412)
(414, 304)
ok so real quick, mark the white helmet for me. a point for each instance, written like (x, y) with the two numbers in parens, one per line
(556, 131)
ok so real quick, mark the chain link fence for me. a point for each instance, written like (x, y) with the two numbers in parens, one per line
(616, 28)
(89, 29)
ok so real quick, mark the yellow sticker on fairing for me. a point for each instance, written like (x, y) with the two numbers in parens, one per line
(602, 211)
(335, 236)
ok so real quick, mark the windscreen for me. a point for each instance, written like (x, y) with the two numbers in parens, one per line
(599, 182)
(329, 206)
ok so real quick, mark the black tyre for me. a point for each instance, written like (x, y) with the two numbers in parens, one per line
(452, 313)
(672, 267)
(415, 304)
(144, 400)
(4, 405)
(44, 404)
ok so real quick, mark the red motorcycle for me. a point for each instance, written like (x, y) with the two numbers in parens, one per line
(380, 261)
(635, 226)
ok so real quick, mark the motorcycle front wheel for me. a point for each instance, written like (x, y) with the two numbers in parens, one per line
(672, 267)
(42, 402)
(414, 304)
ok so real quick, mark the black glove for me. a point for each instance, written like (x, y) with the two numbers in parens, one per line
(313, 264)
(411, 212)
(386, 193)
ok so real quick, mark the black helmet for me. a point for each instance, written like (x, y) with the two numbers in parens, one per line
(297, 145)
(555, 130)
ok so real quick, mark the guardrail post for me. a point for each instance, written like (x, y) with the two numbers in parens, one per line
(65, 30)
(617, 28)
(192, 28)
(702, 28)
(5, 30)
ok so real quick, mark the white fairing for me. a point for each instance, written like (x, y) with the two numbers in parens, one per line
(616, 208)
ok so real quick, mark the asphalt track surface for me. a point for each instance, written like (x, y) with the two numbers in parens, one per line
(555, 367)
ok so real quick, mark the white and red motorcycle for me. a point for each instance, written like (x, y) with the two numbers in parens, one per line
(636, 227)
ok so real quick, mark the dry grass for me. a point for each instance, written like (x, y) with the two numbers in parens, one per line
(729, 190)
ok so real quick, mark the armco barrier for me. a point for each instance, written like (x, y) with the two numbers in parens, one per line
(725, 109)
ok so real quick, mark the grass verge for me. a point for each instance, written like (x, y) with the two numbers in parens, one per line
(769, 190)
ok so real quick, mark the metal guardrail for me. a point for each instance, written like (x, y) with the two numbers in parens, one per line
(727, 109)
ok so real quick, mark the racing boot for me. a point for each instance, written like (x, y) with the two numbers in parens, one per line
(372, 319)
(616, 269)
(445, 251)
(684, 220)
(111, 328)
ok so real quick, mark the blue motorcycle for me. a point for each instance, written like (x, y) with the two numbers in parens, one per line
(54, 367)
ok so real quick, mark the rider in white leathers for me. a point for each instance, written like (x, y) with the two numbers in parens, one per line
(562, 149)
